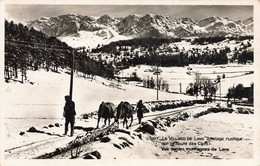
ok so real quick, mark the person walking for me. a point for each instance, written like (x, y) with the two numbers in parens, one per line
(69, 114)
(140, 108)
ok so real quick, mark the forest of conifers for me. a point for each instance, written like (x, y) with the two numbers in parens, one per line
(28, 49)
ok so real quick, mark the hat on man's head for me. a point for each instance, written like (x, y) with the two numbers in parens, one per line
(67, 97)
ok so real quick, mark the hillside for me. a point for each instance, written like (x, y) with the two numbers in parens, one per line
(177, 52)
(28, 49)
(44, 96)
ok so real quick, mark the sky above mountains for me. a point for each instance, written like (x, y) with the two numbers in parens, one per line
(24, 13)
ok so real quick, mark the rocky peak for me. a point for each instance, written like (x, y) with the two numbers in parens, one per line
(152, 17)
(130, 20)
(69, 16)
(187, 21)
(208, 21)
(104, 19)
(43, 18)
(248, 21)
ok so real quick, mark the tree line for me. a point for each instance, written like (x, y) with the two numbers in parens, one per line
(180, 59)
(203, 85)
(152, 83)
(134, 43)
(215, 39)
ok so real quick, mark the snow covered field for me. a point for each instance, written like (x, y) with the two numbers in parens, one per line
(45, 98)
(101, 37)
(176, 75)
(39, 103)
(232, 136)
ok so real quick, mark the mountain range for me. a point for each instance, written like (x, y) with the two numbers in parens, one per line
(79, 30)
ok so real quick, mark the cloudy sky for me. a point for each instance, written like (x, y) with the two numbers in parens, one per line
(24, 13)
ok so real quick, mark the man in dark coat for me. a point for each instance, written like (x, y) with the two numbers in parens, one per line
(140, 108)
(69, 114)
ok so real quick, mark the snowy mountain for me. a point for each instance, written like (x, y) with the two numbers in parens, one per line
(90, 31)
(224, 26)
(247, 24)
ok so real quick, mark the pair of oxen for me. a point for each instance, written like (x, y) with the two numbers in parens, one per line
(123, 111)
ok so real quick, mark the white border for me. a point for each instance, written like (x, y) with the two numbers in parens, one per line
(254, 161)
